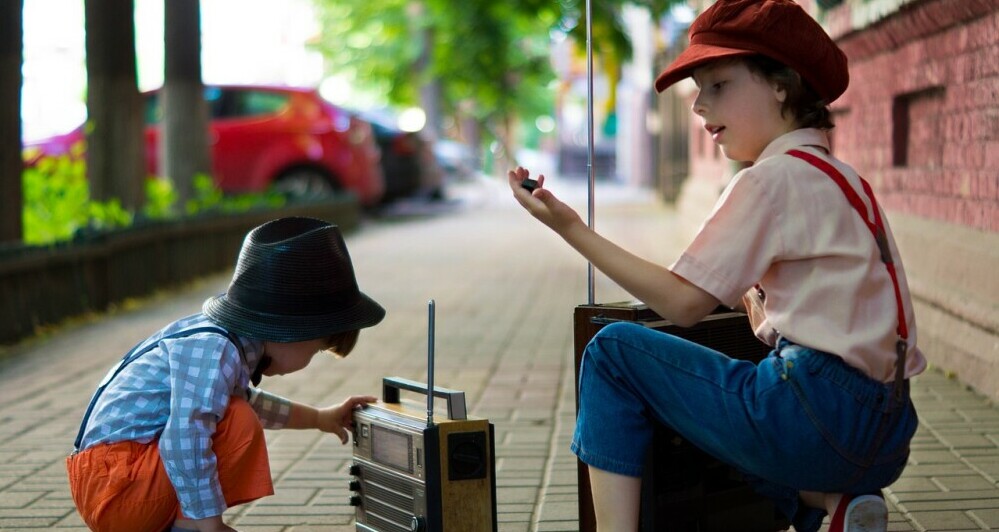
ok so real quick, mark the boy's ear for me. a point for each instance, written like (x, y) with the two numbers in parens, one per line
(780, 93)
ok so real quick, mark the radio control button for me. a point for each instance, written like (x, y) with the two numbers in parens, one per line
(354, 485)
(355, 470)
(355, 500)
(418, 524)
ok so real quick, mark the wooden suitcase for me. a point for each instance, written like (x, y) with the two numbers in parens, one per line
(683, 489)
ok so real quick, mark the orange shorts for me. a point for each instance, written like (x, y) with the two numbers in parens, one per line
(123, 486)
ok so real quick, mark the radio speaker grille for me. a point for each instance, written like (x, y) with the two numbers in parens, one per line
(389, 501)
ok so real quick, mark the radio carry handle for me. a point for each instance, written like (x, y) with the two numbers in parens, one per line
(455, 399)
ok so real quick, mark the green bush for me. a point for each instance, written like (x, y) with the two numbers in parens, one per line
(57, 204)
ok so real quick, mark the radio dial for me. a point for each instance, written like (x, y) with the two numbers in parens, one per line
(418, 524)
(355, 500)
(354, 485)
(355, 470)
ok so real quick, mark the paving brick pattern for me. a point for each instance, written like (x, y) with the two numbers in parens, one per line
(505, 289)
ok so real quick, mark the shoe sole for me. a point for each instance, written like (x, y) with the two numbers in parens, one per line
(867, 513)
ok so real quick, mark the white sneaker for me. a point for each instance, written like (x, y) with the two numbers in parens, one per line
(861, 513)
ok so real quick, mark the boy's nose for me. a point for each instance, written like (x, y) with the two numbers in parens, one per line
(698, 107)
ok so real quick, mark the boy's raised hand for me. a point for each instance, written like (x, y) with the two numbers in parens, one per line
(541, 203)
(339, 419)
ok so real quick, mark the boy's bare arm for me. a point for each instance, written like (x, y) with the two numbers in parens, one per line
(334, 419)
(671, 296)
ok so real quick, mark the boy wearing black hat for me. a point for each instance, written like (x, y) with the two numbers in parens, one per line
(797, 240)
(173, 436)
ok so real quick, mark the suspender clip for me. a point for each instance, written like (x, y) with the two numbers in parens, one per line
(901, 346)
(882, 241)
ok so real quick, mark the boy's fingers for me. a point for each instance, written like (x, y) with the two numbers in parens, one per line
(361, 400)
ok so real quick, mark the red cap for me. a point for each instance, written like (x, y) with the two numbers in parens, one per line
(779, 29)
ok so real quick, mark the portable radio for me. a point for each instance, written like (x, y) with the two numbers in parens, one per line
(412, 474)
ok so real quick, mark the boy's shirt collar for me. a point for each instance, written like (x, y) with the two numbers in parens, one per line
(253, 350)
(796, 139)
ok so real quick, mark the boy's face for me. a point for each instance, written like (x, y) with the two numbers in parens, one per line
(292, 356)
(739, 109)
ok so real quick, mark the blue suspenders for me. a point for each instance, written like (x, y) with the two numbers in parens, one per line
(134, 354)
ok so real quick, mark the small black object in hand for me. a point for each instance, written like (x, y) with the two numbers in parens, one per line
(529, 184)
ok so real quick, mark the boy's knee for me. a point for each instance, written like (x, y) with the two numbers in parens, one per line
(616, 331)
(605, 346)
(608, 338)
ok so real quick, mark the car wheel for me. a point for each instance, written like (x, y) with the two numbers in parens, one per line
(304, 183)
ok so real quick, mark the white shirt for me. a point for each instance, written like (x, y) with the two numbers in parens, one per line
(787, 226)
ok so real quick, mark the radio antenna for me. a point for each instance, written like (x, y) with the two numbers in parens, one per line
(590, 292)
(430, 362)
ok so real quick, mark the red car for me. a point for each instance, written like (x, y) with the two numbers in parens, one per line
(263, 136)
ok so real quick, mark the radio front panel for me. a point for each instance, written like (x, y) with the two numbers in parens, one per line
(390, 440)
(412, 477)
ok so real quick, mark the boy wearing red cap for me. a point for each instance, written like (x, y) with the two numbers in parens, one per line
(798, 241)
(174, 434)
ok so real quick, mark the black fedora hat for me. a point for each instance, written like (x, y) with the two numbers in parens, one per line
(294, 281)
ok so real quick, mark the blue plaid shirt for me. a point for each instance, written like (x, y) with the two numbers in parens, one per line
(178, 392)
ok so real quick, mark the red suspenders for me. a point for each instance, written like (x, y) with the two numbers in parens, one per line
(877, 229)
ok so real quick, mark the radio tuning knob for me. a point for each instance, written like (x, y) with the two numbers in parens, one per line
(354, 485)
(418, 524)
(355, 500)
(355, 470)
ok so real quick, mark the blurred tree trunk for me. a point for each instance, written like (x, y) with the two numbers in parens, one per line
(11, 58)
(430, 86)
(184, 144)
(115, 136)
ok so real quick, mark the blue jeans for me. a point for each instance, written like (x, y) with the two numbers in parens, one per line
(799, 420)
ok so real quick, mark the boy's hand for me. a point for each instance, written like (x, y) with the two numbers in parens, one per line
(541, 203)
(339, 419)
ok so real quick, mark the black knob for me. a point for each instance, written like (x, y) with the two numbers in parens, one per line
(355, 500)
(355, 470)
(418, 524)
(354, 485)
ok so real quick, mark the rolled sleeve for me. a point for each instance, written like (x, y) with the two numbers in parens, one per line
(273, 410)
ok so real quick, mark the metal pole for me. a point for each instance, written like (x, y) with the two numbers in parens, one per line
(591, 180)
(431, 307)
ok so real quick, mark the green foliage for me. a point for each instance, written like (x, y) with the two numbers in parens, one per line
(160, 199)
(491, 59)
(209, 198)
(57, 204)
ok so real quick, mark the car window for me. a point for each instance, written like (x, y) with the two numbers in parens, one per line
(214, 101)
(153, 111)
(254, 103)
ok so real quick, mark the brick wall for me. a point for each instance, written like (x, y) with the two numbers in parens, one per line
(921, 117)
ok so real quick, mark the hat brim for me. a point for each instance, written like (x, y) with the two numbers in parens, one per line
(696, 55)
(286, 328)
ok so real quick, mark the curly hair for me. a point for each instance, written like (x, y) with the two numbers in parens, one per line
(807, 107)
(341, 344)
